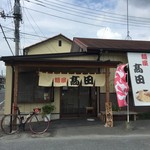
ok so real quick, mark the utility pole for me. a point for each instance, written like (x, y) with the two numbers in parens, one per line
(17, 16)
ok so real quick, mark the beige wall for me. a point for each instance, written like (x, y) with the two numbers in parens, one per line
(8, 90)
(50, 47)
(26, 108)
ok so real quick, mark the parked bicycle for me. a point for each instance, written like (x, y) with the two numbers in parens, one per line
(13, 123)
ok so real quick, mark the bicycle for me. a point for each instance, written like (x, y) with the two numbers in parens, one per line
(12, 123)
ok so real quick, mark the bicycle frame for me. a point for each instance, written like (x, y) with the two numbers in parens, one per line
(22, 117)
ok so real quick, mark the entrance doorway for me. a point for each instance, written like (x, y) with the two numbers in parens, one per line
(74, 101)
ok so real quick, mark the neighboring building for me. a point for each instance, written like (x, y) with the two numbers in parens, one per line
(72, 80)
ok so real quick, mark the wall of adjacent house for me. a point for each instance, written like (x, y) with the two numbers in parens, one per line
(51, 46)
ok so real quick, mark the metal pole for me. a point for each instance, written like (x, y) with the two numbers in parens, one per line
(128, 117)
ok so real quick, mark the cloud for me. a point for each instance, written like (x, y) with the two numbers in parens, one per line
(139, 3)
(107, 33)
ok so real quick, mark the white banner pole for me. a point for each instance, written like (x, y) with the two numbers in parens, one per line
(128, 118)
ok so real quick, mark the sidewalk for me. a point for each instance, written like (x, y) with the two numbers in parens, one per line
(81, 127)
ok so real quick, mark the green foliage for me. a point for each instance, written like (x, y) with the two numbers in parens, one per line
(47, 109)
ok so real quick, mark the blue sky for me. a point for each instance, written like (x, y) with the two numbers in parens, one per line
(75, 18)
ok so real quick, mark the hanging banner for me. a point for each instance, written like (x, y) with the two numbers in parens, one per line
(88, 79)
(99, 80)
(45, 79)
(139, 66)
(72, 80)
(60, 80)
(121, 85)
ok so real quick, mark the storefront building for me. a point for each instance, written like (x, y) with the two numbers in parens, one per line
(77, 82)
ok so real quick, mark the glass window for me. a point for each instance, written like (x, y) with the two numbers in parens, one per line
(30, 92)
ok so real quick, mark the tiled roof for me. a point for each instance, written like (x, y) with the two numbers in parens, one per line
(88, 44)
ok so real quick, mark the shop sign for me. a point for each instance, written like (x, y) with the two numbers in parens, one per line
(72, 80)
(139, 66)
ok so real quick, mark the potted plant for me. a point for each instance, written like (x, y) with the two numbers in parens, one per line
(47, 109)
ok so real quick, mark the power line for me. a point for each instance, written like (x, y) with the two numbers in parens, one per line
(64, 18)
(6, 40)
(39, 30)
(104, 19)
(77, 21)
(88, 11)
(25, 33)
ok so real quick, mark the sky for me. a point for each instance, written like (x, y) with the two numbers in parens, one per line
(105, 19)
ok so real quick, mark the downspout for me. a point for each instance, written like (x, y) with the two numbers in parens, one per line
(98, 88)
(12, 89)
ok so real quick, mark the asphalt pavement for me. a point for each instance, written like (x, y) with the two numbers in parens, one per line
(2, 95)
(82, 127)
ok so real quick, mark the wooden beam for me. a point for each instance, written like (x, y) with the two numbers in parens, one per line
(107, 83)
(16, 72)
(108, 104)
(64, 64)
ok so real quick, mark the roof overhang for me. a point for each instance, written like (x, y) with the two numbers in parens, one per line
(46, 61)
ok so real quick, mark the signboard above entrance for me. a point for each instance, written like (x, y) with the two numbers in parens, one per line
(73, 80)
(139, 66)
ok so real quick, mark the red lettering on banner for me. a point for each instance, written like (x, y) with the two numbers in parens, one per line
(63, 80)
(144, 56)
(57, 80)
(145, 62)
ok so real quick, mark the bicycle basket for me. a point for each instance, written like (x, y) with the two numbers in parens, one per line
(37, 110)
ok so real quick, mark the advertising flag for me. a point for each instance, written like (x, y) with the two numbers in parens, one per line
(121, 85)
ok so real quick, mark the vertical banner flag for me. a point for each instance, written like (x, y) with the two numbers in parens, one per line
(121, 85)
(139, 65)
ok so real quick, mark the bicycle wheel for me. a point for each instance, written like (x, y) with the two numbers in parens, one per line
(38, 125)
(10, 124)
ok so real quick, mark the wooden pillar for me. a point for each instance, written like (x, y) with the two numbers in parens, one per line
(16, 71)
(108, 104)
(98, 100)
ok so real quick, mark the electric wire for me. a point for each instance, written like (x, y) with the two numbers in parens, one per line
(109, 20)
(97, 10)
(29, 34)
(48, 47)
(6, 40)
(83, 22)
(89, 11)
